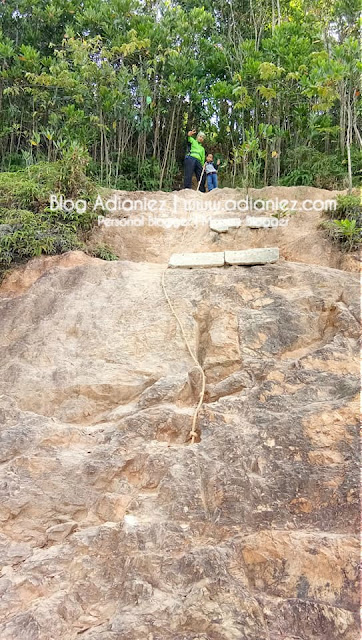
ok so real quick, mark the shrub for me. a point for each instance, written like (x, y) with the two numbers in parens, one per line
(25, 234)
(307, 166)
(28, 227)
(144, 176)
(126, 184)
(30, 188)
(346, 226)
(104, 252)
(130, 174)
(328, 172)
(345, 232)
(23, 190)
(348, 207)
(72, 167)
(298, 177)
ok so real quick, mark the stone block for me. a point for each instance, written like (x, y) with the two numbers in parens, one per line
(221, 225)
(261, 222)
(189, 260)
(252, 256)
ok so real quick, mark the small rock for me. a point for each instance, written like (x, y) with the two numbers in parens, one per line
(59, 532)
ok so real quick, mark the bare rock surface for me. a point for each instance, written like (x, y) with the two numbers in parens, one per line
(114, 527)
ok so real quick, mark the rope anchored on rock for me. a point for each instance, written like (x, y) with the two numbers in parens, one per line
(193, 433)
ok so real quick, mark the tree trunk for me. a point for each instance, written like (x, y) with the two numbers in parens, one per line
(342, 121)
(164, 162)
(348, 144)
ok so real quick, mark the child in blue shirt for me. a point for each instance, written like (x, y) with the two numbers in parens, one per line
(211, 172)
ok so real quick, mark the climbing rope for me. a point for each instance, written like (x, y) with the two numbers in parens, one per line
(193, 432)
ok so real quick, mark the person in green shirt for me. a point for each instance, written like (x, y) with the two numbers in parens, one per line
(195, 160)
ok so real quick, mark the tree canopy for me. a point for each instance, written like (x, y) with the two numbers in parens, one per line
(274, 83)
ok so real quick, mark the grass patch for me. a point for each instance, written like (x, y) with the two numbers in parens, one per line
(104, 252)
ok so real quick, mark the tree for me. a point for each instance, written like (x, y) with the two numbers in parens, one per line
(273, 82)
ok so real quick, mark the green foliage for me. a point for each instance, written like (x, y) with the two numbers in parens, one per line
(121, 81)
(143, 175)
(28, 228)
(298, 177)
(104, 252)
(30, 188)
(72, 167)
(348, 207)
(345, 232)
(328, 172)
(25, 234)
(346, 226)
(317, 169)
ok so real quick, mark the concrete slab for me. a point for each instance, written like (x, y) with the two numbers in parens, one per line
(221, 225)
(252, 256)
(189, 260)
(261, 222)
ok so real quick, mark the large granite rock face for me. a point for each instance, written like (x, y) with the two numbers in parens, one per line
(113, 527)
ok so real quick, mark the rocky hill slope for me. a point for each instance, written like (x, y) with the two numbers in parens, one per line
(115, 527)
